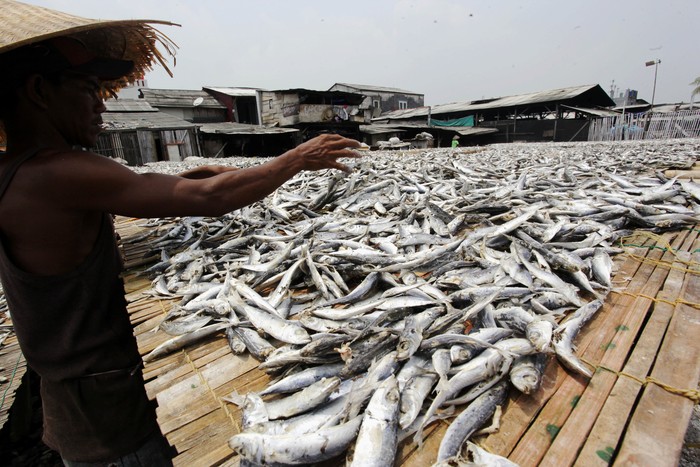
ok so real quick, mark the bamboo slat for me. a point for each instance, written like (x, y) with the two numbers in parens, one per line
(12, 368)
(524, 408)
(573, 434)
(569, 413)
(655, 432)
(536, 441)
(610, 423)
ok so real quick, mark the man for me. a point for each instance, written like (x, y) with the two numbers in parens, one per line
(59, 262)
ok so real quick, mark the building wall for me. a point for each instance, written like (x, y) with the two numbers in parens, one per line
(279, 108)
(140, 147)
(388, 101)
(286, 109)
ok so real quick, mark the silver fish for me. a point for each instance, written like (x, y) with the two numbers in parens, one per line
(302, 401)
(526, 372)
(294, 449)
(564, 335)
(470, 420)
(378, 435)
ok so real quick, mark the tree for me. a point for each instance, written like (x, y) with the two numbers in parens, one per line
(696, 83)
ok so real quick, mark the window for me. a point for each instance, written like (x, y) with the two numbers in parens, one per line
(403, 105)
(376, 104)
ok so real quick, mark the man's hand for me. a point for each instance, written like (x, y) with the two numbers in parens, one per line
(324, 151)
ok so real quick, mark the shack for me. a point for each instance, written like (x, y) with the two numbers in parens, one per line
(228, 139)
(533, 117)
(194, 106)
(383, 99)
(138, 133)
(242, 104)
(314, 112)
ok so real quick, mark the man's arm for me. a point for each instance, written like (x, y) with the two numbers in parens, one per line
(205, 171)
(87, 182)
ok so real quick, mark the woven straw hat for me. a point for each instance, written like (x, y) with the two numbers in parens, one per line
(135, 40)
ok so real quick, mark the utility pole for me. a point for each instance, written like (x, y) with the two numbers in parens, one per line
(655, 64)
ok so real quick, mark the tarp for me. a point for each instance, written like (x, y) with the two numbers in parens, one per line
(464, 121)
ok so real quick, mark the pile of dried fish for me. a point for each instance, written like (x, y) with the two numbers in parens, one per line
(422, 281)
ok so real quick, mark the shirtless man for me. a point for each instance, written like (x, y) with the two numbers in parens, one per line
(58, 259)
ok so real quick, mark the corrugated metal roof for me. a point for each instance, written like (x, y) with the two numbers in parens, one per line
(402, 126)
(137, 120)
(520, 100)
(633, 108)
(179, 98)
(596, 112)
(128, 105)
(379, 129)
(665, 108)
(232, 128)
(234, 92)
(473, 130)
(364, 87)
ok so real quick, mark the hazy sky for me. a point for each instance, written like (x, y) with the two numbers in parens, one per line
(449, 50)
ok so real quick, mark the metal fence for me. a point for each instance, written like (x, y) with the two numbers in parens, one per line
(650, 125)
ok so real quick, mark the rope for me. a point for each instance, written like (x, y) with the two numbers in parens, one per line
(692, 394)
(692, 267)
(218, 400)
(12, 378)
(204, 382)
(678, 301)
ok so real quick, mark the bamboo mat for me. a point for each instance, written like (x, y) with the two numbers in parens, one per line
(643, 343)
(12, 369)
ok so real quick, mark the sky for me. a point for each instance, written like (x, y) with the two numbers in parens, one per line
(448, 50)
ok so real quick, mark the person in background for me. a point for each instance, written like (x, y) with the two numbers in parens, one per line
(59, 261)
(455, 141)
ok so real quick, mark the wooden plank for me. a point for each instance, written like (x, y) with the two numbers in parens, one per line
(426, 454)
(184, 370)
(624, 327)
(192, 355)
(13, 366)
(535, 443)
(201, 430)
(610, 423)
(524, 408)
(694, 174)
(192, 397)
(655, 432)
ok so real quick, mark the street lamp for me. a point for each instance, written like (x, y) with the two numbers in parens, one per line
(655, 64)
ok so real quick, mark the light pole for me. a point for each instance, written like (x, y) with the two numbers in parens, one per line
(655, 64)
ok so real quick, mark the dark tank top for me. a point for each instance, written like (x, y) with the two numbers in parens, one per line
(74, 331)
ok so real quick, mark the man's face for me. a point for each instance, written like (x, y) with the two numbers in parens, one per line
(77, 108)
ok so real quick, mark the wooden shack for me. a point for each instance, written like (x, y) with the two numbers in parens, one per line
(138, 133)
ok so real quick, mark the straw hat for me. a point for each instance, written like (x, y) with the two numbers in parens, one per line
(135, 40)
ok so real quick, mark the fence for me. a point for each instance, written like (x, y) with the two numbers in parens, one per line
(667, 125)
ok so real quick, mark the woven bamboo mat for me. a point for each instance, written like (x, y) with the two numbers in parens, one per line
(643, 343)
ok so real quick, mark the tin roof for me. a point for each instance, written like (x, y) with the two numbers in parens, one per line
(128, 105)
(596, 97)
(233, 92)
(181, 98)
(376, 129)
(143, 120)
(596, 112)
(364, 87)
(232, 128)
